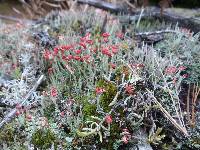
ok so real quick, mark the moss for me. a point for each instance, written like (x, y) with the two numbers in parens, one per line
(105, 99)
(109, 94)
(17, 73)
(89, 109)
(77, 25)
(49, 111)
(7, 134)
(11, 134)
(120, 71)
(115, 131)
(43, 139)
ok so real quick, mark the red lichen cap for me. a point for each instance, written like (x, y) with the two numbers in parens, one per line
(108, 119)
(106, 35)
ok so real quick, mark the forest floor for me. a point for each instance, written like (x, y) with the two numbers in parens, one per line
(87, 80)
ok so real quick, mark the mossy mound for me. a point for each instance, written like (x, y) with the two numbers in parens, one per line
(44, 139)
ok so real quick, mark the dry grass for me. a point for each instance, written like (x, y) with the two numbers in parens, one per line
(193, 93)
(37, 8)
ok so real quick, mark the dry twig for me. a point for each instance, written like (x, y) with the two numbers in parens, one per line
(195, 94)
(12, 113)
(188, 104)
(168, 116)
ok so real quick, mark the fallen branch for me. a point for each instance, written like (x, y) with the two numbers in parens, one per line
(153, 37)
(12, 113)
(103, 5)
(155, 32)
(154, 13)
